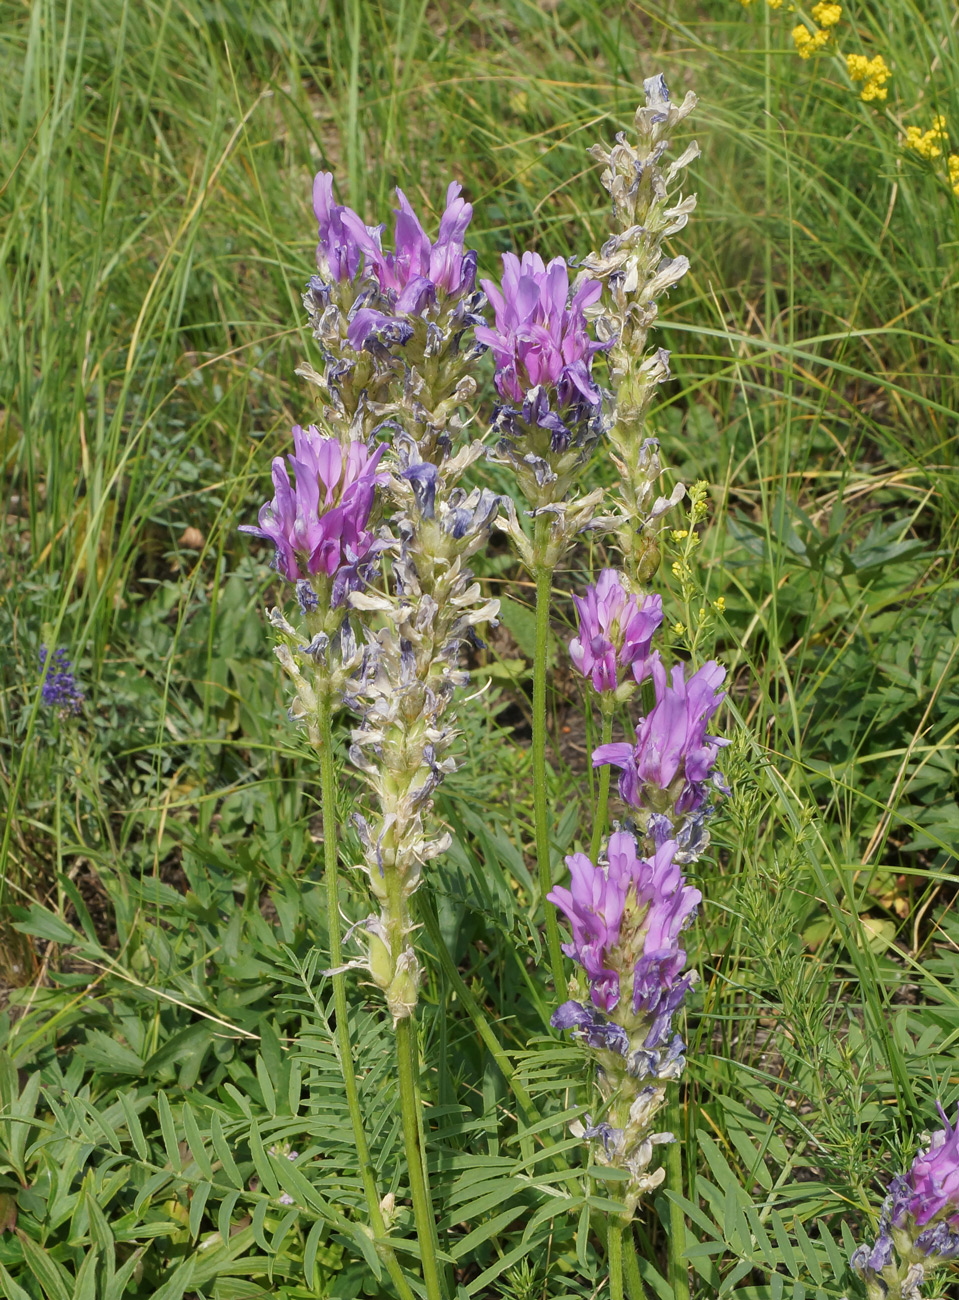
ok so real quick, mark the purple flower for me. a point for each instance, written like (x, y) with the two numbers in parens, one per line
(338, 251)
(594, 908)
(591, 1026)
(671, 741)
(376, 330)
(413, 274)
(59, 688)
(540, 337)
(319, 525)
(658, 991)
(932, 1182)
(659, 904)
(615, 631)
(662, 887)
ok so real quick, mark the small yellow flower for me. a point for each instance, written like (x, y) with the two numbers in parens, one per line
(874, 73)
(857, 65)
(775, 4)
(720, 604)
(679, 628)
(679, 534)
(826, 14)
(926, 143)
(808, 42)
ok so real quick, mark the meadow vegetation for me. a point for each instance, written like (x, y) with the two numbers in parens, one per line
(165, 1037)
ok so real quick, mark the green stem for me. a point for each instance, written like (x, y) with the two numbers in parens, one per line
(599, 826)
(614, 1257)
(408, 1070)
(330, 864)
(543, 574)
(678, 1268)
(634, 1281)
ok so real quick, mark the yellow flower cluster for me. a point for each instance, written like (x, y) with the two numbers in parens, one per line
(927, 144)
(808, 42)
(826, 14)
(954, 172)
(873, 73)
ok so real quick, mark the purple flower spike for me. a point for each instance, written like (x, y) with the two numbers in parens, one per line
(319, 526)
(338, 251)
(933, 1181)
(539, 337)
(615, 631)
(417, 270)
(60, 689)
(671, 741)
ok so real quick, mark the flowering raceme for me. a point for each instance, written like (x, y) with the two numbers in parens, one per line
(552, 413)
(638, 962)
(319, 524)
(539, 337)
(391, 324)
(673, 759)
(627, 914)
(615, 632)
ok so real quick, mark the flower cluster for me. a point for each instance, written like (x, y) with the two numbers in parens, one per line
(321, 526)
(667, 776)
(543, 356)
(627, 914)
(59, 690)
(808, 42)
(551, 414)
(927, 144)
(873, 73)
(919, 1224)
(390, 323)
(319, 523)
(930, 145)
(615, 633)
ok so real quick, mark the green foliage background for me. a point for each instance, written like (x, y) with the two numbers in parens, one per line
(165, 1029)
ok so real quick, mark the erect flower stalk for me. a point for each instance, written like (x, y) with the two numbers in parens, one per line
(548, 421)
(319, 525)
(629, 905)
(636, 273)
